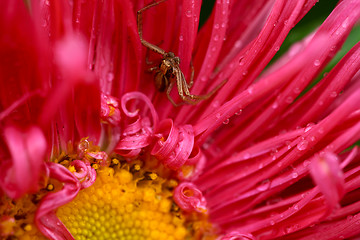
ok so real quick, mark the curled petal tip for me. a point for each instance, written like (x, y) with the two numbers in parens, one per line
(189, 198)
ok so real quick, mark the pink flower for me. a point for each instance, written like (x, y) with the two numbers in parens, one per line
(90, 148)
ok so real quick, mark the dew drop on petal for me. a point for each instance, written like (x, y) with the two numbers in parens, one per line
(247, 155)
(216, 104)
(277, 48)
(181, 38)
(226, 121)
(317, 62)
(216, 26)
(216, 37)
(239, 112)
(264, 185)
(306, 163)
(218, 115)
(272, 222)
(302, 145)
(275, 105)
(289, 100)
(188, 13)
(333, 94)
(294, 175)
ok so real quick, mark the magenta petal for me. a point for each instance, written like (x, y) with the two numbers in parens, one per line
(27, 149)
(176, 145)
(84, 172)
(327, 174)
(45, 217)
(237, 236)
(189, 198)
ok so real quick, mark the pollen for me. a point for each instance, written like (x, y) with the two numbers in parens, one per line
(129, 201)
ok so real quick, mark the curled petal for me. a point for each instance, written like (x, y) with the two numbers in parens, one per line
(45, 217)
(135, 136)
(327, 174)
(189, 198)
(234, 235)
(84, 172)
(21, 174)
(194, 166)
(110, 111)
(129, 153)
(138, 96)
(100, 157)
(81, 169)
(176, 145)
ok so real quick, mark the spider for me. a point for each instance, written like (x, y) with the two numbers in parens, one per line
(168, 72)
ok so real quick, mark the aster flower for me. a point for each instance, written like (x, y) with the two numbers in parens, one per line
(90, 149)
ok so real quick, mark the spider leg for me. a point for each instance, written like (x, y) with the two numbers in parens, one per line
(192, 75)
(191, 98)
(150, 46)
(168, 90)
(149, 70)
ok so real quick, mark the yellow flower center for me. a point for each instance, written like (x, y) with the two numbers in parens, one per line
(127, 201)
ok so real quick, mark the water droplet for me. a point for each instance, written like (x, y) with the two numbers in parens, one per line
(302, 145)
(277, 48)
(261, 165)
(289, 99)
(203, 79)
(296, 207)
(239, 112)
(181, 38)
(297, 90)
(188, 13)
(264, 185)
(275, 105)
(238, 44)
(247, 155)
(223, 25)
(306, 163)
(286, 22)
(272, 222)
(110, 77)
(218, 115)
(216, 37)
(226, 121)
(250, 90)
(294, 175)
(345, 24)
(333, 94)
(317, 62)
(244, 73)
(216, 104)
(312, 138)
(279, 164)
(309, 126)
(216, 26)
(321, 130)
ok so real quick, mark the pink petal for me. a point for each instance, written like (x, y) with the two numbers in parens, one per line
(45, 218)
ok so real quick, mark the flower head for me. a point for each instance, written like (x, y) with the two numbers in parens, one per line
(91, 149)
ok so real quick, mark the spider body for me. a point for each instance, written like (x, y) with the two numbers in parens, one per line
(166, 72)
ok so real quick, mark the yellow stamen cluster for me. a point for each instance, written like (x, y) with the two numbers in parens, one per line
(129, 202)
(17, 216)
